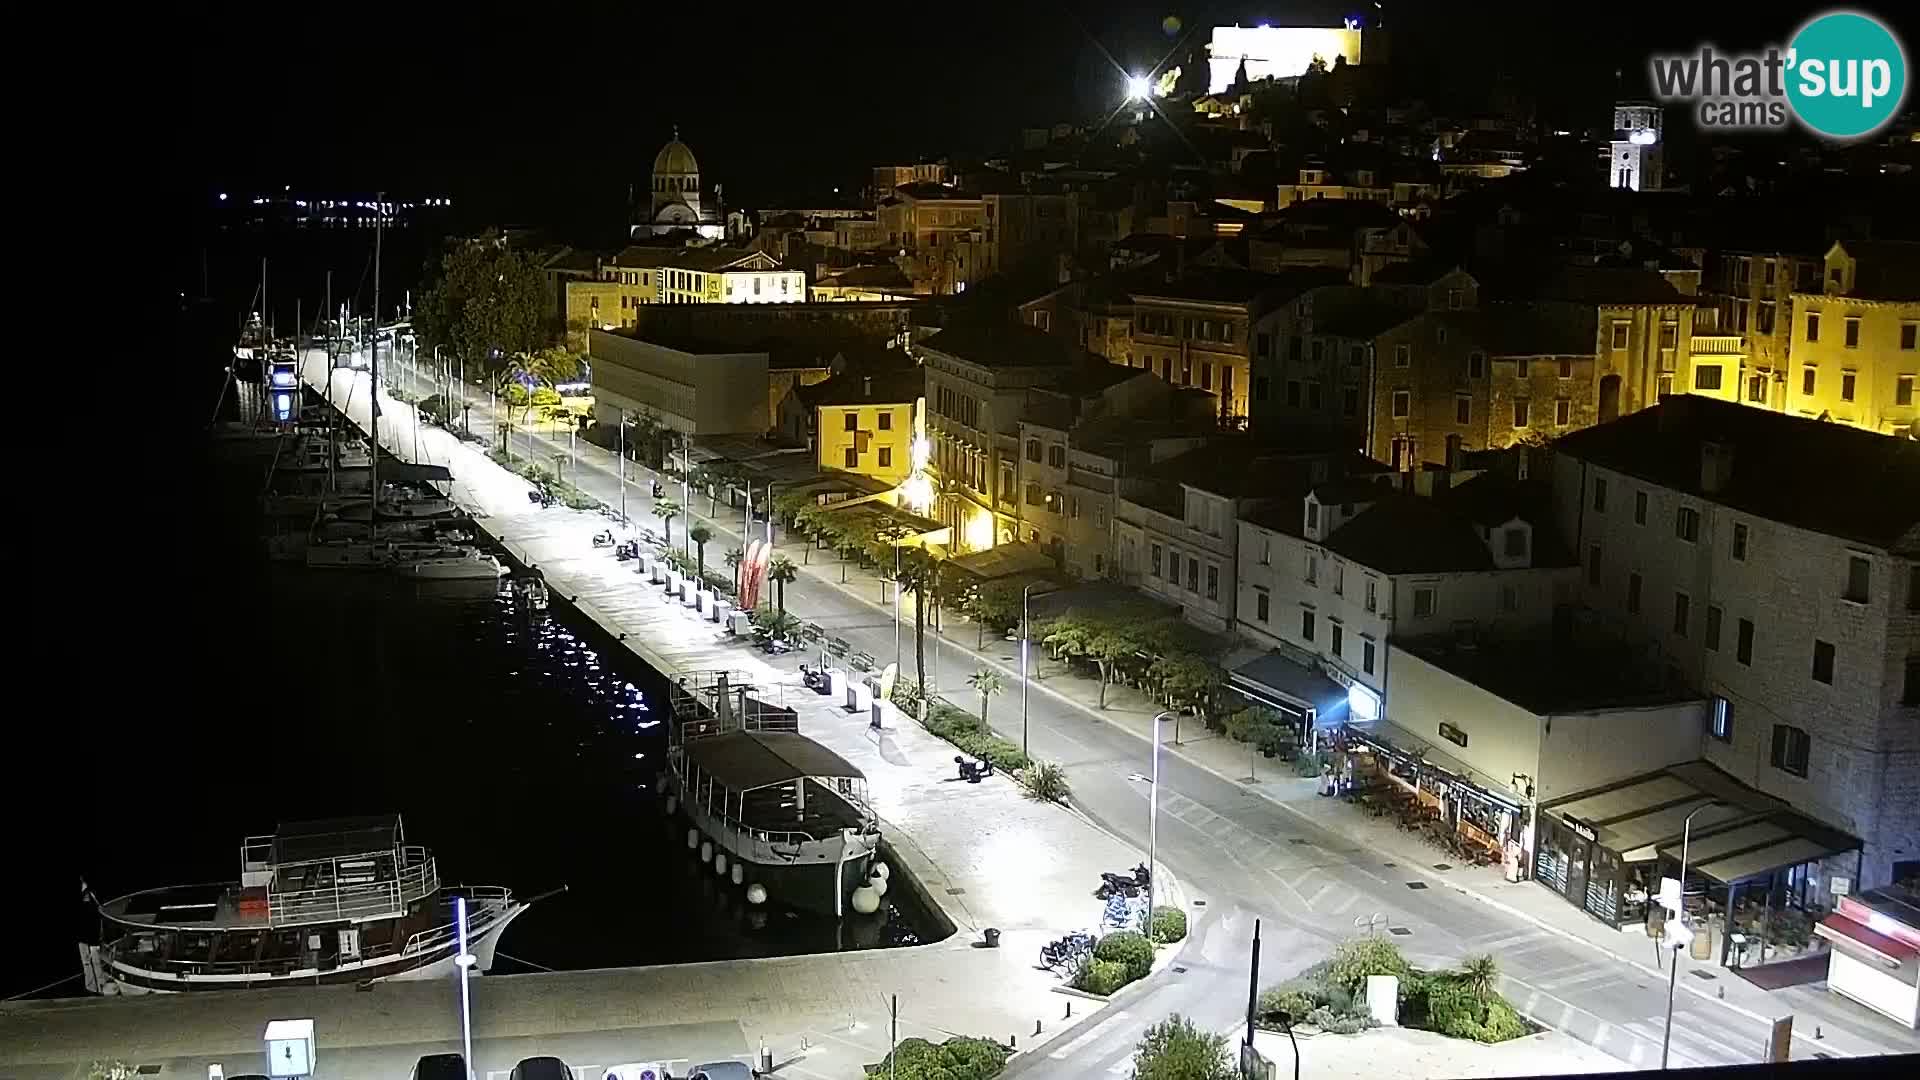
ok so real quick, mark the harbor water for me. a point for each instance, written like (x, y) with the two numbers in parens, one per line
(522, 749)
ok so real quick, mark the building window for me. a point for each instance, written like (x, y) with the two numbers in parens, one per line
(1336, 633)
(1910, 691)
(1262, 604)
(1173, 568)
(1853, 333)
(1757, 389)
(1813, 326)
(1402, 355)
(1809, 377)
(1720, 720)
(1213, 583)
(1790, 749)
(1520, 412)
(1682, 613)
(1350, 401)
(1903, 390)
(851, 422)
(1686, 524)
(1373, 590)
(1620, 335)
(1823, 662)
(1339, 579)
(1713, 628)
(1423, 603)
(1155, 556)
(1259, 388)
(1908, 332)
(853, 458)
(1462, 409)
(1306, 626)
(1593, 565)
(1669, 335)
(1763, 317)
(1913, 588)
(1516, 543)
(1033, 494)
(886, 420)
(1599, 494)
(1859, 573)
(1633, 594)
(1706, 377)
(1739, 542)
(1476, 364)
(1562, 412)
(1057, 456)
(1743, 643)
(886, 457)
(1293, 393)
(1033, 450)
(1313, 522)
(1520, 367)
(1193, 574)
(1366, 657)
(1566, 367)
(1509, 598)
(1846, 385)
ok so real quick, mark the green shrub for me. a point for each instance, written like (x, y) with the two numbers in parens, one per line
(1047, 782)
(1354, 960)
(974, 1059)
(1101, 977)
(959, 1058)
(1129, 948)
(1289, 998)
(1504, 1022)
(1168, 924)
(1338, 1023)
(1308, 764)
(1178, 1049)
(1456, 1011)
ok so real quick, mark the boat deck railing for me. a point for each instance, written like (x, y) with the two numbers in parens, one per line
(416, 877)
(486, 903)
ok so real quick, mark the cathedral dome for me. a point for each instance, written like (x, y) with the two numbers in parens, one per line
(675, 159)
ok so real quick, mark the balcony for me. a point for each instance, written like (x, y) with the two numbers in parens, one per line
(1717, 345)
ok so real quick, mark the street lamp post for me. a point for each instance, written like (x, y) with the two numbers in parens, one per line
(623, 467)
(1024, 624)
(1153, 817)
(464, 960)
(1685, 935)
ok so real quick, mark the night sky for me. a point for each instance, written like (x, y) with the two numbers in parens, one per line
(545, 112)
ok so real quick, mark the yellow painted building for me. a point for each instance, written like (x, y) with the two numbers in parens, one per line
(1854, 353)
(866, 423)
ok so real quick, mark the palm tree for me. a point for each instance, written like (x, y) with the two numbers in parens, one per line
(1480, 973)
(666, 510)
(780, 571)
(734, 558)
(986, 682)
(700, 534)
(919, 575)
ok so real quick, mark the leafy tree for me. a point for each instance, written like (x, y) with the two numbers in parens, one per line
(1177, 1049)
(986, 682)
(486, 303)
(666, 510)
(1107, 649)
(920, 575)
(1047, 782)
(996, 605)
(781, 570)
(700, 534)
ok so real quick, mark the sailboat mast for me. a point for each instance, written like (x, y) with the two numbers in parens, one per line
(373, 364)
(327, 317)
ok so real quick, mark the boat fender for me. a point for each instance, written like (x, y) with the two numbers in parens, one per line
(739, 875)
(881, 871)
(673, 803)
(706, 851)
(693, 839)
(878, 884)
(720, 863)
(756, 893)
(866, 900)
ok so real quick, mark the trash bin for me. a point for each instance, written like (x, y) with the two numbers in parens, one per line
(992, 934)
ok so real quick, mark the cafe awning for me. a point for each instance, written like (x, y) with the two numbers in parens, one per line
(1889, 952)
(1278, 682)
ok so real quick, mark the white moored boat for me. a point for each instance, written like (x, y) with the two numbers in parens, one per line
(456, 563)
(340, 901)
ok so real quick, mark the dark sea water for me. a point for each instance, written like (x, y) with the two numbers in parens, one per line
(521, 750)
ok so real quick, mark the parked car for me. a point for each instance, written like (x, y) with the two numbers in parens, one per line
(440, 1067)
(721, 1070)
(541, 1068)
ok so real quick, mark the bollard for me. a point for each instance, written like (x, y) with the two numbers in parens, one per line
(1036, 1029)
(1013, 1042)
(1069, 1015)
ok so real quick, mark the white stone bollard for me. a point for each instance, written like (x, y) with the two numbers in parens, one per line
(756, 894)
(693, 839)
(1383, 999)
(739, 874)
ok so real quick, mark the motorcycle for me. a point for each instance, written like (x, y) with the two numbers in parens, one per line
(628, 550)
(603, 538)
(1127, 885)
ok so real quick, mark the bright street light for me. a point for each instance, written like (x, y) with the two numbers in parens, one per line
(1138, 87)
(1153, 818)
(463, 962)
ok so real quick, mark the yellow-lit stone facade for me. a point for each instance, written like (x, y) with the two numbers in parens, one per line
(1856, 347)
(870, 438)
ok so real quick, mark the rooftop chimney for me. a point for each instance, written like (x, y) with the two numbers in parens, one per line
(867, 384)
(1716, 467)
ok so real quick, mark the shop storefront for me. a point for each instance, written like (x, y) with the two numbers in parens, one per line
(1484, 818)
(1303, 696)
(1750, 860)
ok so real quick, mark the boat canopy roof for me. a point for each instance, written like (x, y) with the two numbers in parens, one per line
(406, 472)
(333, 838)
(746, 760)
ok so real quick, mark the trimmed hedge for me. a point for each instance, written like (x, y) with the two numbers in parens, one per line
(959, 1058)
(964, 730)
(1168, 924)
(1102, 977)
(1129, 948)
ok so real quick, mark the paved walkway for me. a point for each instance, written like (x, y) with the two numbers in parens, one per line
(1825, 1024)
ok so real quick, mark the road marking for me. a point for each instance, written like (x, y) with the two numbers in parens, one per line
(1505, 940)
(1341, 907)
(1091, 1034)
(1319, 894)
(1589, 976)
